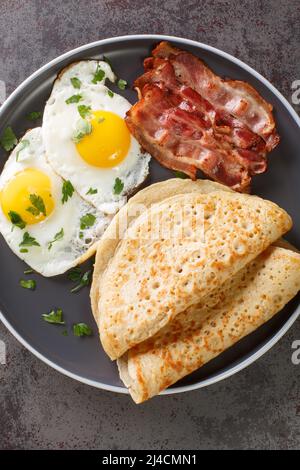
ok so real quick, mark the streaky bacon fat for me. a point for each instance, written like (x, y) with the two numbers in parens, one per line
(236, 97)
(177, 141)
(179, 123)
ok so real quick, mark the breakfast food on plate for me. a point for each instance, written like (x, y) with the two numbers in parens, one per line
(203, 331)
(221, 317)
(43, 220)
(87, 140)
(189, 118)
(187, 267)
(150, 280)
(226, 310)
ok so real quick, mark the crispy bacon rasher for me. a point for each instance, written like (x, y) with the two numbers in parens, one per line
(188, 118)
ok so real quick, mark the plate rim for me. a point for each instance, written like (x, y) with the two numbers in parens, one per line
(277, 336)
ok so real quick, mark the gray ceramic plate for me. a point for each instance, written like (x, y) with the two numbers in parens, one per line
(82, 358)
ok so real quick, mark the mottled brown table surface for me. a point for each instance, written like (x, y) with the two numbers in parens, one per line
(259, 407)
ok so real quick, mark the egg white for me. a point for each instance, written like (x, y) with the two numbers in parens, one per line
(71, 249)
(59, 125)
(84, 71)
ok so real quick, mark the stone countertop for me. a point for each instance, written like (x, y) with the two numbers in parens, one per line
(257, 408)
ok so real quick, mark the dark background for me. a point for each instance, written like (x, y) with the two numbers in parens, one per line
(259, 407)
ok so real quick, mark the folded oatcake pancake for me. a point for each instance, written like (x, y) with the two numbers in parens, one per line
(149, 281)
(153, 194)
(203, 331)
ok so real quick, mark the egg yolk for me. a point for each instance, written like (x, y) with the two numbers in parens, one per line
(28, 194)
(108, 143)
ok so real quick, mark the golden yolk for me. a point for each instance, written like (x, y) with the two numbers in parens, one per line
(15, 196)
(108, 143)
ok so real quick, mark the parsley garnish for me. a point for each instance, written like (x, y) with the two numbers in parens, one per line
(55, 316)
(28, 271)
(74, 99)
(82, 279)
(92, 191)
(64, 333)
(38, 205)
(180, 174)
(75, 82)
(28, 284)
(87, 221)
(23, 250)
(82, 329)
(75, 274)
(67, 191)
(28, 241)
(8, 139)
(122, 84)
(98, 75)
(80, 235)
(34, 115)
(110, 93)
(83, 128)
(16, 219)
(84, 111)
(22, 145)
(58, 236)
(118, 186)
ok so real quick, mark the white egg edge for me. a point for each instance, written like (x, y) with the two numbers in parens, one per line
(77, 261)
(142, 167)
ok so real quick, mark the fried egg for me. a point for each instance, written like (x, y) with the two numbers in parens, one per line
(42, 218)
(87, 140)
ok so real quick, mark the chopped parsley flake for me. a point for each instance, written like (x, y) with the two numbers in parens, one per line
(58, 236)
(98, 75)
(55, 316)
(118, 186)
(74, 274)
(67, 191)
(122, 84)
(28, 241)
(28, 271)
(82, 329)
(110, 93)
(87, 221)
(28, 284)
(84, 111)
(92, 191)
(34, 115)
(8, 139)
(38, 206)
(75, 82)
(74, 99)
(16, 219)
(82, 279)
